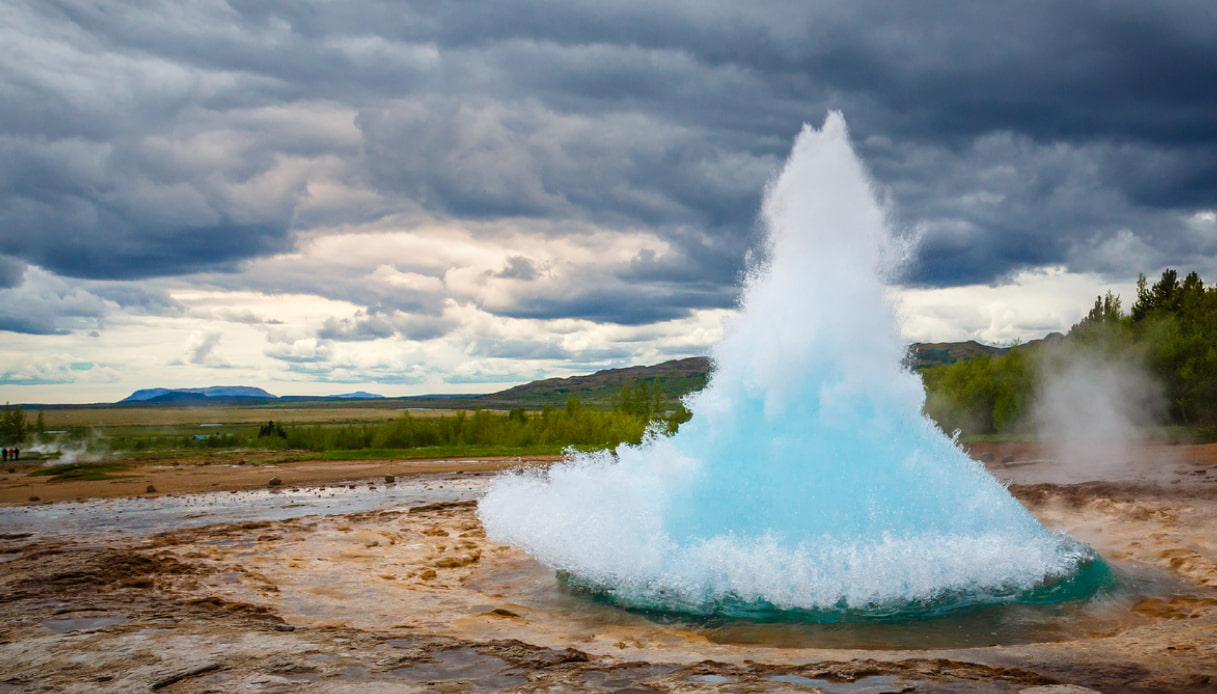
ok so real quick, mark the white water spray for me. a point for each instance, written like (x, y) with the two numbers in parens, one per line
(808, 479)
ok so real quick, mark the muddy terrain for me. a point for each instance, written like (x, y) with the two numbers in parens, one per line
(410, 596)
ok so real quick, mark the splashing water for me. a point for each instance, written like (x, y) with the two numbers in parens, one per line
(808, 482)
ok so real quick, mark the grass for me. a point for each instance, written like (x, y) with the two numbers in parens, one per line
(82, 471)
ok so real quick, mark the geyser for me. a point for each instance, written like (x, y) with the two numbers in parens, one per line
(808, 483)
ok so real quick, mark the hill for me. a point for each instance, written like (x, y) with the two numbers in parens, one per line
(923, 355)
(675, 379)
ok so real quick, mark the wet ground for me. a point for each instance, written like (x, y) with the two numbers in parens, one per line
(341, 589)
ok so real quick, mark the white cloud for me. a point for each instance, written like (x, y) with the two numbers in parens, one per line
(1029, 306)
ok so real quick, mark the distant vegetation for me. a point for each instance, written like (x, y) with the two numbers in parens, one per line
(1170, 332)
(638, 406)
(630, 411)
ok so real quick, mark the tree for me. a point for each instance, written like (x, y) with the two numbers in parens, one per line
(272, 429)
(1165, 296)
(14, 427)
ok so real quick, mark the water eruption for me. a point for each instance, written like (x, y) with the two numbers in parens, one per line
(808, 483)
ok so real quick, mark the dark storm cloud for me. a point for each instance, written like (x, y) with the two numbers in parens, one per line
(624, 305)
(154, 139)
(12, 272)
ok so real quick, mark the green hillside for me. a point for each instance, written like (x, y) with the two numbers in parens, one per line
(675, 379)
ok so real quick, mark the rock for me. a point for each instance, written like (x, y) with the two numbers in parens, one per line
(173, 677)
(987, 458)
(1008, 459)
(34, 498)
(149, 489)
(390, 479)
(274, 482)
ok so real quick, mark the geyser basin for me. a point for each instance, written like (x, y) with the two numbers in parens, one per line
(808, 483)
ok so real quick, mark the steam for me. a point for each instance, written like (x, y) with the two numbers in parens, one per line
(1091, 409)
(61, 449)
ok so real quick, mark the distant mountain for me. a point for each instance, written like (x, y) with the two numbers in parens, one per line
(357, 395)
(198, 394)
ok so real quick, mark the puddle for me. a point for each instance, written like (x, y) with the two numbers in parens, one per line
(626, 676)
(356, 673)
(63, 626)
(143, 516)
(709, 679)
(879, 684)
(488, 672)
(532, 585)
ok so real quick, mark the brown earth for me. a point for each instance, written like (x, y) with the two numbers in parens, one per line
(418, 599)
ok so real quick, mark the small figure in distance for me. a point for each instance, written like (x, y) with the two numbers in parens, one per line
(16, 454)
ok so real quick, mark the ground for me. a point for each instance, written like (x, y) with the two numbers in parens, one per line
(413, 597)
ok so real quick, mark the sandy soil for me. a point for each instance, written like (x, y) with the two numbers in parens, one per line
(417, 599)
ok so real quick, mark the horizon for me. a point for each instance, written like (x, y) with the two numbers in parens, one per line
(433, 199)
(504, 387)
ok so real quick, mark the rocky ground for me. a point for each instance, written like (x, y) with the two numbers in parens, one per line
(417, 599)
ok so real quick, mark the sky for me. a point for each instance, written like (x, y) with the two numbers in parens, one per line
(409, 197)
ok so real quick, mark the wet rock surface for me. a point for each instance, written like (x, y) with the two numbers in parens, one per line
(414, 598)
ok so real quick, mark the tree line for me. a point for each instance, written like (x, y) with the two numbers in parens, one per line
(1170, 332)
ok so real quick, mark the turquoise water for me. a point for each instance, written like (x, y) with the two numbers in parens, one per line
(808, 485)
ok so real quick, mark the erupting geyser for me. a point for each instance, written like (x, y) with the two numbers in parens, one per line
(808, 483)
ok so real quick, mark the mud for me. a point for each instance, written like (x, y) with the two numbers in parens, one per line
(412, 597)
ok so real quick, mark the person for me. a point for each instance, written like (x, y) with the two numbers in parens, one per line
(5, 455)
(16, 454)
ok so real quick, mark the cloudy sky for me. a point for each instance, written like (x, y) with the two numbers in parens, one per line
(408, 197)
